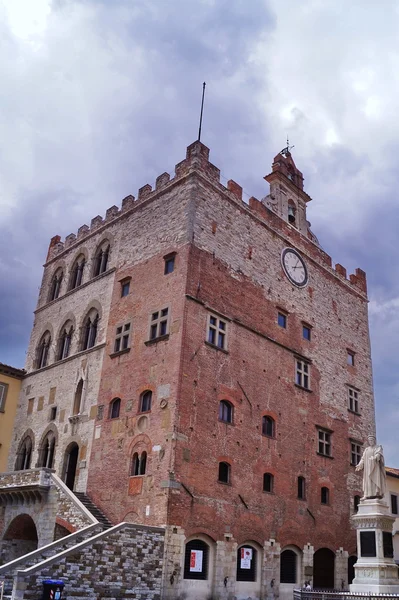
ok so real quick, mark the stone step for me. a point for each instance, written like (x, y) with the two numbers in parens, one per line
(95, 511)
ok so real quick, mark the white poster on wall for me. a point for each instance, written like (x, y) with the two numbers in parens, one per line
(196, 561)
(246, 557)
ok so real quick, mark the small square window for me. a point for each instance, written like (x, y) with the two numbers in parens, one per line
(125, 288)
(282, 320)
(217, 331)
(169, 264)
(350, 359)
(306, 332)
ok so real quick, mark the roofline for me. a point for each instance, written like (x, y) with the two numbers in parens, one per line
(12, 371)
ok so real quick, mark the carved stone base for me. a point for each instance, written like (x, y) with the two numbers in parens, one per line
(375, 570)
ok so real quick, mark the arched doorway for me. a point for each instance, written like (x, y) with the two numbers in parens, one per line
(323, 569)
(20, 537)
(351, 568)
(70, 464)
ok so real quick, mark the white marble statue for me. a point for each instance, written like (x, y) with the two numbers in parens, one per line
(373, 467)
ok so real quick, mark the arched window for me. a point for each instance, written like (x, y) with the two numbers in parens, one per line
(139, 464)
(268, 482)
(246, 563)
(77, 402)
(145, 401)
(288, 566)
(225, 411)
(268, 426)
(90, 329)
(301, 488)
(77, 272)
(101, 259)
(64, 343)
(356, 502)
(325, 495)
(196, 559)
(47, 451)
(291, 213)
(224, 472)
(115, 408)
(24, 456)
(55, 285)
(42, 353)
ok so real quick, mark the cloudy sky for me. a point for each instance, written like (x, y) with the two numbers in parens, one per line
(98, 97)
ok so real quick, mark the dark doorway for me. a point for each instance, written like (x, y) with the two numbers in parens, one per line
(323, 569)
(351, 568)
(71, 462)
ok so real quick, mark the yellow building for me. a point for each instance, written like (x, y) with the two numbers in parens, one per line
(10, 385)
(392, 499)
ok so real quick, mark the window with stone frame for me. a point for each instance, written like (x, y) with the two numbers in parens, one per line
(101, 259)
(3, 395)
(324, 442)
(302, 373)
(217, 332)
(65, 341)
(90, 330)
(122, 337)
(159, 323)
(268, 426)
(145, 401)
(139, 464)
(76, 278)
(353, 400)
(43, 351)
(47, 451)
(115, 408)
(24, 454)
(356, 453)
(196, 560)
(55, 285)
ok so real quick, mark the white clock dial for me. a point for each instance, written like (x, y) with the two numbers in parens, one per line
(294, 267)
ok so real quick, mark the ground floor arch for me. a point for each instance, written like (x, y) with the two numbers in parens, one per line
(323, 568)
(20, 537)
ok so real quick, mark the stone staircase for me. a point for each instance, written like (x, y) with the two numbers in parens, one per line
(95, 511)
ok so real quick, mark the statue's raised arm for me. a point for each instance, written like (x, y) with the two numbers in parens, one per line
(373, 466)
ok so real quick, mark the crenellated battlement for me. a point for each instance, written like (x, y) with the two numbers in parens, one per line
(197, 159)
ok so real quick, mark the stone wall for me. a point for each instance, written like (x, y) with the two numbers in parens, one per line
(124, 562)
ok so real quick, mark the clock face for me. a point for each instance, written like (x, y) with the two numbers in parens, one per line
(294, 267)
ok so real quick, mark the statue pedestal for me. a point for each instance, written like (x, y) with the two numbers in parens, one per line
(375, 570)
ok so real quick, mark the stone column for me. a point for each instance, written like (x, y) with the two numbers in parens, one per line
(307, 564)
(341, 569)
(271, 570)
(173, 559)
(225, 568)
(375, 570)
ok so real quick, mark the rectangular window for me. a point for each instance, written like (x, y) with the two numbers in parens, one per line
(159, 325)
(169, 264)
(306, 332)
(125, 288)
(53, 413)
(394, 504)
(350, 359)
(353, 400)
(217, 331)
(282, 320)
(302, 374)
(324, 446)
(356, 453)
(122, 337)
(3, 395)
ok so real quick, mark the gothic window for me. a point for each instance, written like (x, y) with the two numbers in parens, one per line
(325, 495)
(101, 259)
(291, 213)
(268, 482)
(246, 563)
(77, 272)
(43, 350)
(64, 344)
(47, 451)
(139, 464)
(268, 426)
(115, 408)
(90, 330)
(224, 472)
(55, 285)
(301, 488)
(226, 411)
(145, 401)
(196, 559)
(24, 456)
